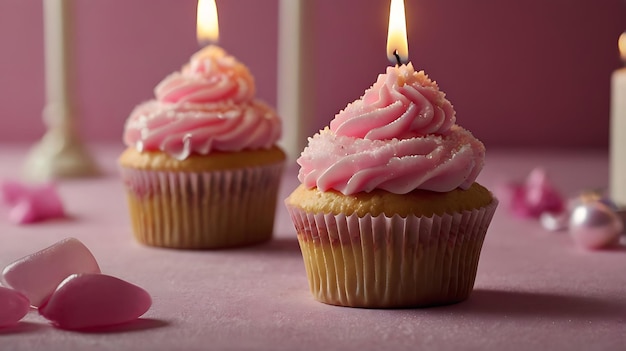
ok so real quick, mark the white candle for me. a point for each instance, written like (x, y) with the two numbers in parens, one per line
(296, 73)
(60, 153)
(58, 105)
(618, 130)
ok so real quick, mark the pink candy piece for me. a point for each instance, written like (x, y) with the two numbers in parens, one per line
(37, 275)
(13, 306)
(12, 191)
(95, 300)
(31, 203)
(533, 197)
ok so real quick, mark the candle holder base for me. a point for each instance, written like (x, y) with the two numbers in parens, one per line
(59, 156)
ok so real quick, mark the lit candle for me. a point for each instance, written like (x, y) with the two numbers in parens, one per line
(60, 153)
(207, 24)
(296, 71)
(397, 43)
(618, 130)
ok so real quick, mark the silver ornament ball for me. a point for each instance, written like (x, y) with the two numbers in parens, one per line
(594, 225)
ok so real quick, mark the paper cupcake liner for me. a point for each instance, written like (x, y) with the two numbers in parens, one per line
(202, 210)
(385, 262)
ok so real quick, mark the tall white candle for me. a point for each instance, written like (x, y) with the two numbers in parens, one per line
(56, 57)
(618, 130)
(295, 73)
(60, 153)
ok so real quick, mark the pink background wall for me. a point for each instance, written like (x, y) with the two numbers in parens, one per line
(520, 73)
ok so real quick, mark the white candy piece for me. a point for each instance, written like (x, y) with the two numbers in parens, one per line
(38, 275)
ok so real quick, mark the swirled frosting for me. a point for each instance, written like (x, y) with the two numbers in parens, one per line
(209, 105)
(401, 104)
(400, 136)
(210, 76)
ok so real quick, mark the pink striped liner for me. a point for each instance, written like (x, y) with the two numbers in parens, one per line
(389, 262)
(203, 210)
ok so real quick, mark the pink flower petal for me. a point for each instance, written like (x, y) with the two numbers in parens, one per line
(533, 197)
(31, 203)
(541, 195)
(12, 191)
(95, 300)
(47, 201)
(38, 274)
(23, 212)
(13, 306)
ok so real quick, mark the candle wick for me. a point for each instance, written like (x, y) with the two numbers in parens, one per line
(395, 53)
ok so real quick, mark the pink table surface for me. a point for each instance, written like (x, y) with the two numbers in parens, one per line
(534, 290)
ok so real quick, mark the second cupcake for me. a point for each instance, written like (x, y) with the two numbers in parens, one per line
(202, 168)
(389, 213)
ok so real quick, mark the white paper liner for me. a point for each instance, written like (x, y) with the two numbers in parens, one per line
(384, 262)
(203, 210)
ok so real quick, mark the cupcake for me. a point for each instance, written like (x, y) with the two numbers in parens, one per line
(201, 167)
(388, 213)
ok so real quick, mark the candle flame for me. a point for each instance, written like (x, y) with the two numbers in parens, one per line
(621, 43)
(397, 44)
(207, 27)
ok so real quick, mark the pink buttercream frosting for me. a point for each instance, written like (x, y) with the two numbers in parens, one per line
(210, 76)
(209, 105)
(399, 137)
(401, 104)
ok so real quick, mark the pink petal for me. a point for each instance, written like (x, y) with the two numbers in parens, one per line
(541, 195)
(38, 274)
(23, 212)
(31, 203)
(535, 196)
(11, 191)
(47, 201)
(13, 306)
(95, 300)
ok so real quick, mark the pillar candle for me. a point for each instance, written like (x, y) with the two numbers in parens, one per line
(60, 153)
(58, 109)
(296, 73)
(618, 131)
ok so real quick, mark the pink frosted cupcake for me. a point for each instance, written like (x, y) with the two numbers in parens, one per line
(388, 213)
(202, 167)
